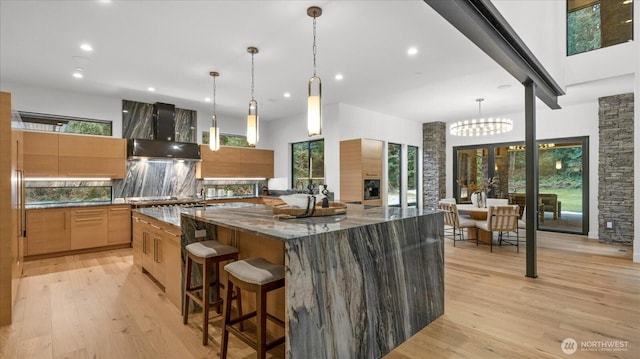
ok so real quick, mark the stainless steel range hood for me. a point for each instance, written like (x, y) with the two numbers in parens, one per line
(162, 146)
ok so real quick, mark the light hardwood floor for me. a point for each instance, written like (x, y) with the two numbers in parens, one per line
(100, 306)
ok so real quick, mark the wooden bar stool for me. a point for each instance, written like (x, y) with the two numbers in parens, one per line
(259, 276)
(209, 254)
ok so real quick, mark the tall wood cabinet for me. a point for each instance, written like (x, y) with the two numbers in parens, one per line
(50, 154)
(361, 171)
(11, 210)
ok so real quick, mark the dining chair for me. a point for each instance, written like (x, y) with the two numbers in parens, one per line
(447, 200)
(497, 202)
(502, 219)
(454, 224)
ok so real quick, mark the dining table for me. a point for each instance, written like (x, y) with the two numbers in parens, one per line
(478, 214)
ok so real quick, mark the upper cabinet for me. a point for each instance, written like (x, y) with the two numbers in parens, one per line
(49, 154)
(361, 171)
(40, 154)
(229, 162)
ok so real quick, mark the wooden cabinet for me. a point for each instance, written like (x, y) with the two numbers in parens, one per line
(60, 230)
(119, 225)
(89, 227)
(232, 162)
(47, 231)
(48, 154)
(92, 156)
(360, 160)
(157, 251)
(40, 154)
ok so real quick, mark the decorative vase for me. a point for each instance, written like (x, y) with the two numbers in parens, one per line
(479, 199)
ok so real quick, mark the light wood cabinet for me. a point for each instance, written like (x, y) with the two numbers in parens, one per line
(360, 160)
(47, 231)
(157, 251)
(232, 162)
(40, 154)
(89, 227)
(119, 225)
(50, 154)
(92, 156)
(56, 231)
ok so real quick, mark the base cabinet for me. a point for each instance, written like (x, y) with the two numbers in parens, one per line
(89, 227)
(157, 251)
(47, 231)
(59, 230)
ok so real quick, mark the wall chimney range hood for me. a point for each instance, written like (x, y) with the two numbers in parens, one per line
(163, 144)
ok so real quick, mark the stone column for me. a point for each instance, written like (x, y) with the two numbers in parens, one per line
(615, 169)
(434, 146)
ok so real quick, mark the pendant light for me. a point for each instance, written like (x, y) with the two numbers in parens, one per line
(482, 126)
(214, 132)
(253, 129)
(314, 99)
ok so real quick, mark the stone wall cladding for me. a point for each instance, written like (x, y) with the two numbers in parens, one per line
(615, 169)
(434, 144)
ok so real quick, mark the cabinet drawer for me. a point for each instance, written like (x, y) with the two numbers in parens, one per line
(89, 227)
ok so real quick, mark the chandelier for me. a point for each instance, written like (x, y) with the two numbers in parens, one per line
(481, 126)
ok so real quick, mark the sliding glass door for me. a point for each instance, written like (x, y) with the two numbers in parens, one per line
(499, 170)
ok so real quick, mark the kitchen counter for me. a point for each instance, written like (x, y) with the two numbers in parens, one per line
(357, 285)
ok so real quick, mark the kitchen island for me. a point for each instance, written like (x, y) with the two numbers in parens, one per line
(357, 285)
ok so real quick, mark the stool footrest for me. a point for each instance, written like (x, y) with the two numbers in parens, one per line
(249, 341)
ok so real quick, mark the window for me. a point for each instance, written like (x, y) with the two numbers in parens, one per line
(43, 195)
(394, 174)
(412, 176)
(307, 165)
(227, 140)
(596, 24)
(500, 171)
(64, 124)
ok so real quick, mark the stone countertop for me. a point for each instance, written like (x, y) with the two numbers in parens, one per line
(259, 219)
(70, 204)
(171, 214)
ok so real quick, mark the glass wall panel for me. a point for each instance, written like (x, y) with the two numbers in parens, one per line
(412, 176)
(307, 166)
(394, 174)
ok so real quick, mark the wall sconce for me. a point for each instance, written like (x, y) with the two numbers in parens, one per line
(558, 164)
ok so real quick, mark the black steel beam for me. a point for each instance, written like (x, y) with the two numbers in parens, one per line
(483, 24)
(531, 171)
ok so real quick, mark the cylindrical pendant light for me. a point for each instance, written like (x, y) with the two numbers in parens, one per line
(253, 129)
(214, 132)
(314, 99)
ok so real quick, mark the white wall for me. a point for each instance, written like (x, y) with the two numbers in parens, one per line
(340, 122)
(57, 102)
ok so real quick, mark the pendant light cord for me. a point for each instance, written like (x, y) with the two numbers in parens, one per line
(252, 76)
(214, 99)
(314, 46)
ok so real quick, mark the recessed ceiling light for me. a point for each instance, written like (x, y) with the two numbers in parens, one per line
(628, 21)
(86, 47)
(206, 99)
(151, 89)
(626, 2)
(125, 111)
(412, 51)
(504, 87)
(339, 77)
(104, 1)
(287, 95)
(78, 75)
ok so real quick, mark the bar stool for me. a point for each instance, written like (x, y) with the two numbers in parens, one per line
(209, 254)
(259, 276)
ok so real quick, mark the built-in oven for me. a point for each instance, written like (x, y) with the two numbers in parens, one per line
(371, 189)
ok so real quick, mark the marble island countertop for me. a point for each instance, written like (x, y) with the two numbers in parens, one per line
(259, 219)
